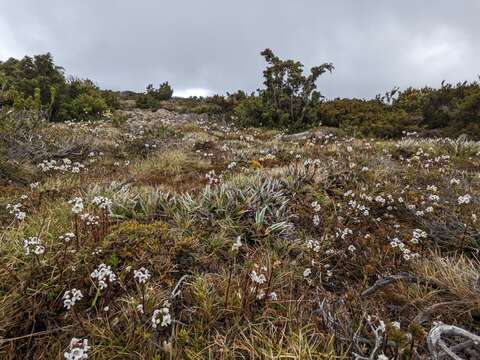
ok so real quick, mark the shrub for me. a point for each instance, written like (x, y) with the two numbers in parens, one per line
(111, 98)
(367, 117)
(453, 106)
(152, 97)
(86, 106)
(207, 108)
(38, 84)
(289, 98)
(252, 111)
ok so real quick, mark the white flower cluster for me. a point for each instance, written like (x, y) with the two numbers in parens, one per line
(257, 278)
(314, 245)
(432, 188)
(67, 237)
(380, 199)
(427, 161)
(94, 157)
(71, 297)
(465, 199)
(78, 350)
(267, 157)
(77, 205)
(205, 154)
(356, 206)
(66, 165)
(316, 208)
(90, 219)
(33, 245)
(16, 211)
(212, 177)
(407, 254)
(454, 181)
(162, 317)
(344, 233)
(237, 244)
(103, 273)
(142, 275)
(232, 165)
(34, 185)
(418, 235)
(102, 202)
(152, 146)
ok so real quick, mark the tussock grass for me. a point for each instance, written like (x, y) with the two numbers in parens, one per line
(458, 275)
(169, 163)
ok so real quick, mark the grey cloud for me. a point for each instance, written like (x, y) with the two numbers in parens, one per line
(215, 44)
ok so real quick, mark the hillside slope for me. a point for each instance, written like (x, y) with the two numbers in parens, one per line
(164, 235)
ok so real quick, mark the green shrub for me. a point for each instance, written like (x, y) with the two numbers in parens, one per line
(289, 98)
(211, 109)
(450, 110)
(145, 101)
(38, 84)
(86, 106)
(111, 98)
(253, 111)
(152, 97)
(367, 117)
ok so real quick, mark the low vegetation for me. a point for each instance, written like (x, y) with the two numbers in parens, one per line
(186, 235)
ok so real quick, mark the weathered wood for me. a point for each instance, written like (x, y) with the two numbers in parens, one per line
(439, 349)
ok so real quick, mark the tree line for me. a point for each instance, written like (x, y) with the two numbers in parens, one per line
(289, 99)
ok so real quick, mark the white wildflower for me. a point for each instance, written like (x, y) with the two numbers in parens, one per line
(102, 202)
(78, 349)
(162, 317)
(465, 199)
(33, 245)
(67, 237)
(71, 297)
(142, 275)
(77, 205)
(103, 273)
(257, 278)
(237, 244)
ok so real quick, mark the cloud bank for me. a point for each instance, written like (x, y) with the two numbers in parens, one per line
(212, 46)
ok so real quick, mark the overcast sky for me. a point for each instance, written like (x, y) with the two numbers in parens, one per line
(205, 46)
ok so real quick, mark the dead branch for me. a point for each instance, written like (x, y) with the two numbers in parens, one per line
(380, 283)
(439, 349)
(426, 314)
